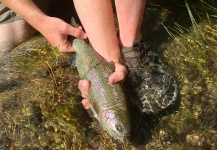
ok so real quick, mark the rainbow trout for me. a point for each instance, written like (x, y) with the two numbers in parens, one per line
(108, 101)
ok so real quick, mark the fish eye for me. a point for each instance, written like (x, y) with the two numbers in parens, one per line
(119, 128)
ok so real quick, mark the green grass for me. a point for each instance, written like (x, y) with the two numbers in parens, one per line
(197, 41)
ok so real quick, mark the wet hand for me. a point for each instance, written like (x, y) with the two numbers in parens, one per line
(118, 76)
(56, 31)
(83, 86)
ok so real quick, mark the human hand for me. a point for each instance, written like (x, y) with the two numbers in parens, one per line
(118, 76)
(56, 31)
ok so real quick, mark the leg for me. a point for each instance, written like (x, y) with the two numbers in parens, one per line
(146, 72)
(97, 18)
(13, 33)
(130, 14)
(13, 29)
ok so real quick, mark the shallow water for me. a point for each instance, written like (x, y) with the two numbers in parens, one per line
(40, 102)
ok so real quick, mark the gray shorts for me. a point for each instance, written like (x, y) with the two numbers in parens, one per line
(7, 15)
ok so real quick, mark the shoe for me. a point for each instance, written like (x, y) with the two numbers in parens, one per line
(150, 83)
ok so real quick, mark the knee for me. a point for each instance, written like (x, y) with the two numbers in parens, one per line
(14, 33)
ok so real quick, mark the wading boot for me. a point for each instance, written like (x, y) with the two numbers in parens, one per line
(150, 83)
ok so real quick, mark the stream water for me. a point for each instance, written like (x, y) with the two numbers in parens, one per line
(40, 104)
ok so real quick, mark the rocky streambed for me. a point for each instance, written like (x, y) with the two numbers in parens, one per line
(40, 104)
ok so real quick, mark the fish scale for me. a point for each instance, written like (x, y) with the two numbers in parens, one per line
(109, 103)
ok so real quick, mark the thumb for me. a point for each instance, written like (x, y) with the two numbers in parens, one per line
(119, 74)
(66, 47)
(77, 32)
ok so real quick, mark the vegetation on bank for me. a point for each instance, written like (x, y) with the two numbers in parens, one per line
(199, 41)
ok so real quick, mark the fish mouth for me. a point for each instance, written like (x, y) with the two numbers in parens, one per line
(117, 135)
(118, 131)
(121, 130)
(113, 125)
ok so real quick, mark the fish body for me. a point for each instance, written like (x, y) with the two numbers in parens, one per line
(108, 101)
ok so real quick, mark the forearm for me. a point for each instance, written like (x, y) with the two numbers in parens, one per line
(28, 10)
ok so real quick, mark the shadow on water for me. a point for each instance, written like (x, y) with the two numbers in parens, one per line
(143, 125)
(159, 13)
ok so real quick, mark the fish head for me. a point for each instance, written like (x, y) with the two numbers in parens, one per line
(117, 126)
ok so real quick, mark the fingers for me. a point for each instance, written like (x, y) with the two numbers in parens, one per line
(76, 32)
(86, 103)
(56, 31)
(83, 86)
(66, 46)
(119, 74)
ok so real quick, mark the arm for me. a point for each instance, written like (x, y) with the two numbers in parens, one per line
(55, 30)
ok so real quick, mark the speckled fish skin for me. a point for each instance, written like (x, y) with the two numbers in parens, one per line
(109, 104)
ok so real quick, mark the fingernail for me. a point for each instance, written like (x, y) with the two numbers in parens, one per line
(85, 36)
(79, 84)
(84, 84)
(112, 80)
(84, 95)
(85, 104)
